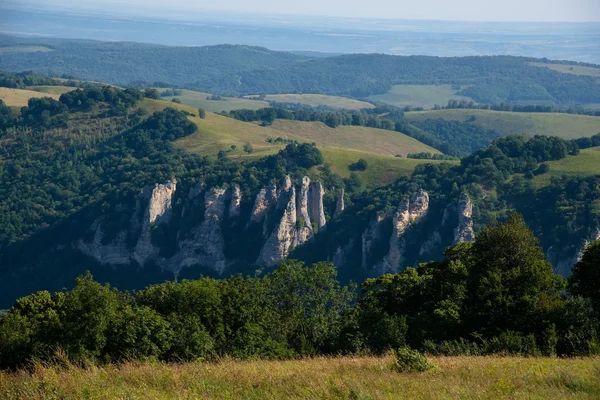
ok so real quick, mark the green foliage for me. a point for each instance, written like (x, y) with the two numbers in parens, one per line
(360, 165)
(511, 284)
(586, 275)
(408, 360)
(202, 113)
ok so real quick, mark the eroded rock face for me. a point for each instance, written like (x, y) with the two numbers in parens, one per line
(339, 205)
(316, 210)
(464, 231)
(369, 236)
(236, 201)
(206, 245)
(340, 257)
(277, 246)
(408, 212)
(264, 199)
(158, 211)
(304, 228)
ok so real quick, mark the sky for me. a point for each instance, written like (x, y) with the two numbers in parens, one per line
(457, 10)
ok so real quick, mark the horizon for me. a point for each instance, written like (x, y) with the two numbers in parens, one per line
(585, 12)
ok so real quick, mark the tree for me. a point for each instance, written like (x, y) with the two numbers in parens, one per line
(248, 148)
(176, 100)
(511, 285)
(585, 280)
(151, 94)
(360, 165)
(202, 113)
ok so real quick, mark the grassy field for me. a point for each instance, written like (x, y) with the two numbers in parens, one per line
(318, 378)
(570, 69)
(567, 126)
(320, 100)
(587, 162)
(341, 147)
(425, 96)
(19, 97)
(58, 90)
(359, 138)
(198, 100)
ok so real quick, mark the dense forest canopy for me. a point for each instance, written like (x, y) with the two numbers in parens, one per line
(236, 70)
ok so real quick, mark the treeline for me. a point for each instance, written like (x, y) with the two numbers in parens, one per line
(382, 117)
(537, 108)
(244, 70)
(445, 307)
(466, 137)
(429, 156)
(587, 142)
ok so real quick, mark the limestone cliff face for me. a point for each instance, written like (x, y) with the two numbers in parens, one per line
(316, 210)
(464, 231)
(340, 257)
(205, 246)
(408, 212)
(158, 211)
(369, 237)
(339, 204)
(301, 209)
(264, 200)
(304, 230)
(563, 261)
(278, 245)
(235, 201)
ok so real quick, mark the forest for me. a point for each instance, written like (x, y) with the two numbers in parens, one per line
(240, 70)
(443, 307)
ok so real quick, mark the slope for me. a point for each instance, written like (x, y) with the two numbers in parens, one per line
(566, 126)
(19, 97)
(341, 146)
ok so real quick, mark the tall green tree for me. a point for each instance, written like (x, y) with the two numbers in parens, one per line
(585, 280)
(511, 285)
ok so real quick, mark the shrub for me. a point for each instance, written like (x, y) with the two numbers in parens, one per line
(408, 360)
(360, 165)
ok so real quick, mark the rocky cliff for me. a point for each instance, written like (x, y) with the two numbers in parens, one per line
(464, 232)
(286, 217)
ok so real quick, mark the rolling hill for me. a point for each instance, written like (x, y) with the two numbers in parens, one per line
(426, 96)
(19, 97)
(586, 163)
(567, 126)
(246, 70)
(200, 100)
(316, 100)
(341, 146)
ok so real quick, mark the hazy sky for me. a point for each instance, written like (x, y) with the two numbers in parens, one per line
(463, 10)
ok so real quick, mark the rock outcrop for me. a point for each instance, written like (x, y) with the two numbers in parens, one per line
(279, 243)
(304, 229)
(339, 204)
(316, 210)
(264, 200)
(408, 212)
(369, 237)
(158, 211)
(464, 231)
(235, 201)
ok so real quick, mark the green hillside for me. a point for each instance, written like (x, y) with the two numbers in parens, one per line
(586, 163)
(426, 96)
(341, 146)
(570, 69)
(567, 126)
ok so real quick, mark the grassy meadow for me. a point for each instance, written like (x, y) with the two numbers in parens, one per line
(425, 96)
(341, 146)
(58, 90)
(315, 100)
(570, 69)
(566, 126)
(317, 378)
(587, 162)
(19, 97)
(199, 100)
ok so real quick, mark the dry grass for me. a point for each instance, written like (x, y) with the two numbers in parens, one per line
(319, 378)
(425, 96)
(199, 100)
(52, 89)
(315, 100)
(19, 97)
